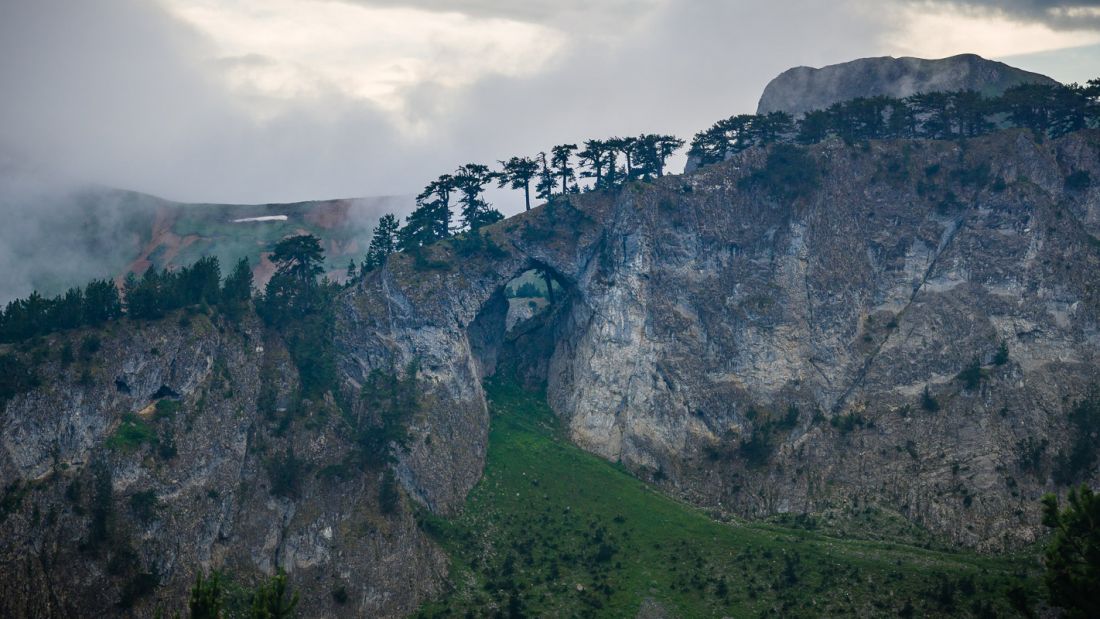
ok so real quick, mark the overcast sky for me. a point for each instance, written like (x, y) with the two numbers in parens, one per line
(281, 100)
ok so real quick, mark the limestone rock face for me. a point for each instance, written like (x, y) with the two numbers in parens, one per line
(716, 311)
(74, 540)
(802, 89)
(750, 353)
(759, 355)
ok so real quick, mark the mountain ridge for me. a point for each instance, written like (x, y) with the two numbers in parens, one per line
(802, 89)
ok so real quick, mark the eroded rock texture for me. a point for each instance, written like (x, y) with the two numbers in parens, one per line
(761, 355)
(755, 347)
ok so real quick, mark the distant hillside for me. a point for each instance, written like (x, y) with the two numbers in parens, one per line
(182, 233)
(55, 238)
(802, 89)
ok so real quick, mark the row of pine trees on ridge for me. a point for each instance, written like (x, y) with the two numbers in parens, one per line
(602, 165)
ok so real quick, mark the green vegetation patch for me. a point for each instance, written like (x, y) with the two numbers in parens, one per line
(790, 172)
(131, 434)
(554, 531)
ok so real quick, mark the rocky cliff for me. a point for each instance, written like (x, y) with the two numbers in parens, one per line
(801, 89)
(901, 325)
(149, 454)
(761, 352)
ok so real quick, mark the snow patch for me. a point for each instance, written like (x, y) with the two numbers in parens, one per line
(264, 218)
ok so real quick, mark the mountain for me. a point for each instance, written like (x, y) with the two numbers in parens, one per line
(83, 232)
(900, 331)
(801, 89)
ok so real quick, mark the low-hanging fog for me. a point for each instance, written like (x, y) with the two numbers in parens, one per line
(248, 101)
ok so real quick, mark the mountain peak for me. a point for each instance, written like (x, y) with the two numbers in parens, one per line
(801, 89)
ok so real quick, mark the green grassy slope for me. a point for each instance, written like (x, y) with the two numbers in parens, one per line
(554, 531)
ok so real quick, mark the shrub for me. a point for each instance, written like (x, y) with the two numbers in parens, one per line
(15, 378)
(847, 422)
(131, 434)
(757, 448)
(89, 347)
(1080, 455)
(285, 473)
(140, 585)
(1031, 452)
(166, 408)
(340, 595)
(388, 496)
(928, 401)
(790, 172)
(528, 291)
(102, 508)
(166, 446)
(971, 375)
(143, 504)
(1072, 558)
(976, 177)
(1001, 356)
(1078, 181)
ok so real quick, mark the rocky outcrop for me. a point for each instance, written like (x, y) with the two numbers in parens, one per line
(802, 89)
(148, 457)
(760, 355)
(751, 347)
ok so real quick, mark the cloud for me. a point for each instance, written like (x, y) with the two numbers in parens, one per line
(941, 29)
(282, 100)
(571, 14)
(361, 51)
(1059, 14)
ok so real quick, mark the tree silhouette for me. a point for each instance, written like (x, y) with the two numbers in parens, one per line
(206, 597)
(470, 181)
(626, 146)
(652, 151)
(101, 302)
(560, 158)
(383, 242)
(299, 257)
(544, 190)
(596, 157)
(517, 173)
(773, 127)
(293, 291)
(1073, 556)
(273, 600)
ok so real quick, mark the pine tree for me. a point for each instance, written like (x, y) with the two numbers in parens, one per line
(645, 156)
(1072, 558)
(273, 600)
(595, 158)
(238, 285)
(709, 146)
(652, 151)
(101, 302)
(299, 257)
(470, 181)
(206, 597)
(431, 221)
(544, 190)
(560, 162)
(382, 243)
(293, 291)
(626, 146)
(517, 172)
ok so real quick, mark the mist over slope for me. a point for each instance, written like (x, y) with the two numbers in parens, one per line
(56, 233)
